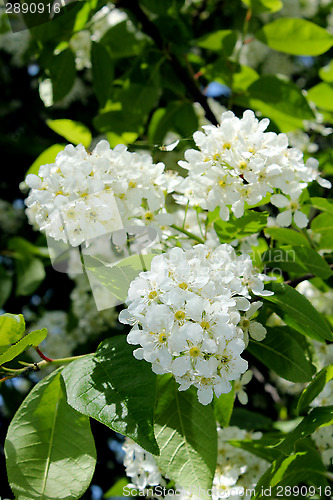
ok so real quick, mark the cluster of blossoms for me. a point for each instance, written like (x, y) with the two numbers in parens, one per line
(191, 315)
(237, 470)
(141, 466)
(238, 163)
(82, 196)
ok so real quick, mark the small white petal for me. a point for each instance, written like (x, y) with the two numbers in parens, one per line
(300, 219)
(284, 218)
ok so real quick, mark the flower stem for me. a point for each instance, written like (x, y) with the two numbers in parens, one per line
(191, 235)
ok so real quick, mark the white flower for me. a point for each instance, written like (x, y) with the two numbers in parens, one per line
(252, 328)
(239, 163)
(292, 211)
(187, 315)
(140, 466)
(239, 387)
(82, 196)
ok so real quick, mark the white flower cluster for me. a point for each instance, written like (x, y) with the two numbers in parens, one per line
(140, 466)
(192, 316)
(323, 438)
(238, 163)
(237, 470)
(85, 195)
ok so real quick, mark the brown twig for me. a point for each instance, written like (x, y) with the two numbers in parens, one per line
(293, 283)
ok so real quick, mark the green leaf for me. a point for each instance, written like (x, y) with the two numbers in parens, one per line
(326, 73)
(186, 434)
(297, 312)
(250, 420)
(316, 418)
(323, 224)
(279, 100)
(31, 339)
(322, 95)
(118, 278)
(239, 79)
(221, 41)
(118, 122)
(295, 36)
(74, 132)
(315, 388)
(262, 448)
(47, 156)
(261, 6)
(49, 447)
(322, 204)
(26, 248)
(113, 387)
(30, 273)
(223, 407)
(121, 42)
(297, 259)
(284, 235)
(313, 262)
(139, 98)
(251, 222)
(284, 259)
(117, 489)
(302, 467)
(280, 352)
(102, 72)
(62, 72)
(178, 117)
(6, 285)
(12, 328)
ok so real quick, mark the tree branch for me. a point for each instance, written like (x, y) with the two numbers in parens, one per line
(181, 72)
(293, 283)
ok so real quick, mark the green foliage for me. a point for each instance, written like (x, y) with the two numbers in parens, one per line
(12, 328)
(295, 36)
(47, 156)
(282, 101)
(250, 420)
(322, 95)
(102, 70)
(116, 389)
(121, 42)
(316, 418)
(315, 388)
(72, 131)
(186, 456)
(31, 339)
(261, 6)
(281, 352)
(221, 41)
(297, 312)
(297, 259)
(47, 432)
(284, 235)
(299, 468)
(118, 277)
(326, 72)
(322, 226)
(62, 73)
(250, 223)
(223, 407)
